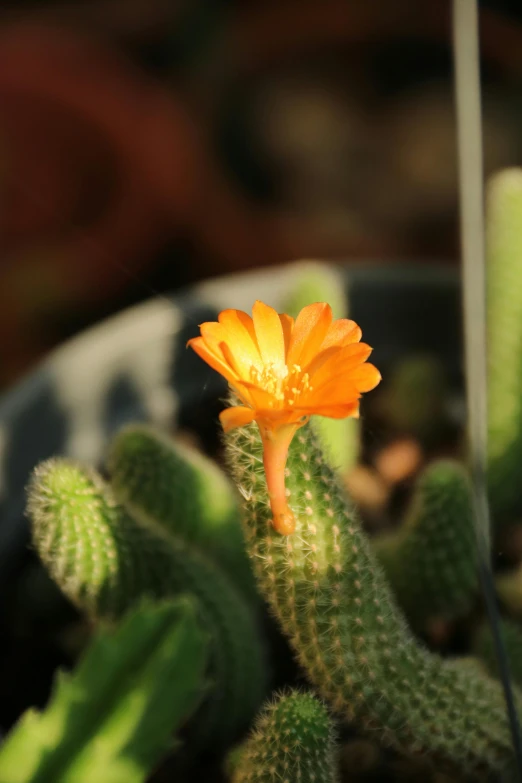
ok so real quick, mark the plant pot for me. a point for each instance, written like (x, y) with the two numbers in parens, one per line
(134, 366)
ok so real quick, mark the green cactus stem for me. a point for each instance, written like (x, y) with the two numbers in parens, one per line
(112, 719)
(332, 600)
(104, 561)
(166, 483)
(504, 270)
(430, 561)
(293, 740)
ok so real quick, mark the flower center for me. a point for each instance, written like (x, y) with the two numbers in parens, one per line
(285, 384)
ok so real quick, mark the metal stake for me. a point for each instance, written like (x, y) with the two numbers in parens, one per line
(469, 133)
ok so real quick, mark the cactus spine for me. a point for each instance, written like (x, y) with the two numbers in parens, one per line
(504, 269)
(431, 560)
(293, 740)
(104, 561)
(332, 600)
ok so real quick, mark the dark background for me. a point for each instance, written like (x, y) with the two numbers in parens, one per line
(147, 144)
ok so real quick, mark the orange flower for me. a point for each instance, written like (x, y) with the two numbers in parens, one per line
(284, 371)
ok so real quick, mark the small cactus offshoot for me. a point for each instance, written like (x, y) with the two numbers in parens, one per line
(293, 740)
(431, 560)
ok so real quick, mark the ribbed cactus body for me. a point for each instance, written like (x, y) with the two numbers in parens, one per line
(504, 271)
(97, 554)
(431, 560)
(166, 483)
(332, 600)
(293, 740)
(104, 561)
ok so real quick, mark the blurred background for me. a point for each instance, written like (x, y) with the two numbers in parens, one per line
(147, 144)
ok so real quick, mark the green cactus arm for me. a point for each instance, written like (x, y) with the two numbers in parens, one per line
(112, 719)
(431, 560)
(293, 740)
(332, 600)
(166, 483)
(105, 562)
(484, 648)
(504, 292)
(320, 282)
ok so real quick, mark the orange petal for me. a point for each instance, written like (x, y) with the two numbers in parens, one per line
(243, 354)
(366, 377)
(241, 332)
(287, 325)
(238, 386)
(340, 390)
(213, 334)
(236, 416)
(342, 332)
(260, 397)
(332, 362)
(276, 418)
(310, 329)
(213, 358)
(336, 411)
(269, 333)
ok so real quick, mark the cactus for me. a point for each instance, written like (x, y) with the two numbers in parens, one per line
(314, 282)
(484, 648)
(332, 600)
(293, 740)
(431, 560)
(104, 561)
(504, 270)
(112, 719)
(172, 485)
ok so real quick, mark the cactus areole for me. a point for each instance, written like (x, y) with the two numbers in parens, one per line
(284, 371)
